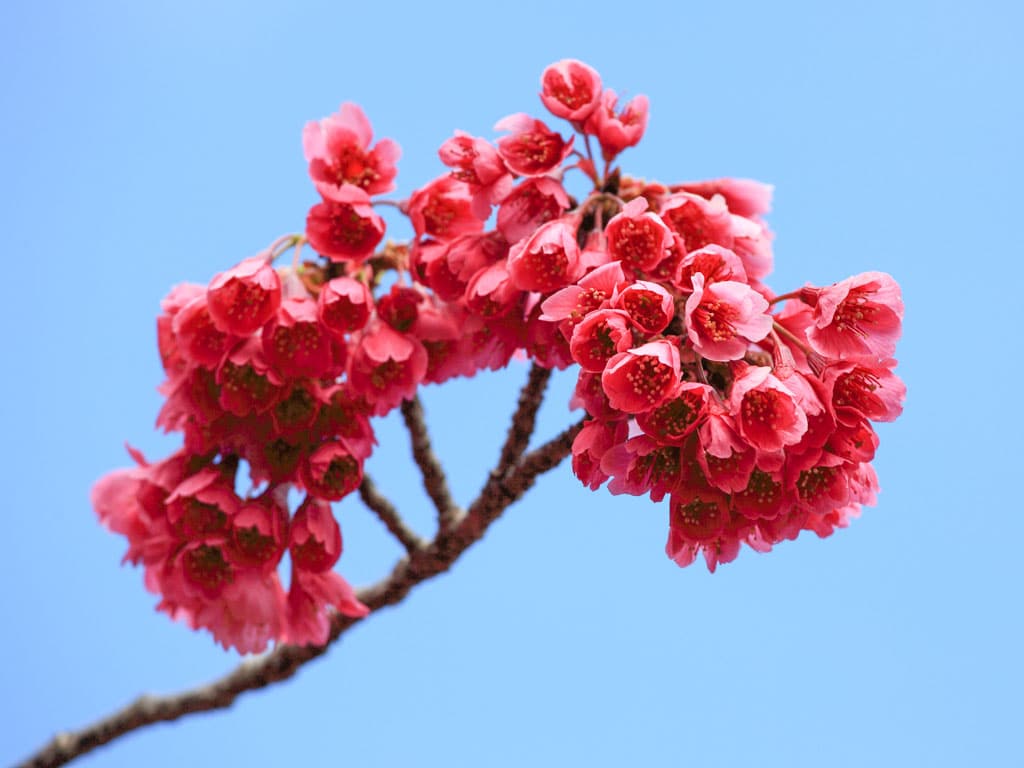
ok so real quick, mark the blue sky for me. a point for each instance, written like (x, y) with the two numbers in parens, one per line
(149, 143)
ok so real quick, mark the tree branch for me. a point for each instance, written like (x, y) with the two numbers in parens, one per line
(285, 660)
(388, 515)
(434, 480)
(524, 419)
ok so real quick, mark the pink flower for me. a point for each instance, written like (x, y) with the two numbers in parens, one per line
(599, 337)
(479, 165)
(864, 390)
(548, 260)
(247, 385)
(332, 471)
(242, 299)
(674, 420)
(315, 541)
(723, 318)
(744, 197)
(532, 149)
(640, 379)
(616, 131)
(591, 444)
(202, 505)
(259, 532)
(714, 262)
(309, 598)
(767, 414)
(386, 367)
(697, 221)
(531, 203)
(490, 292)
(570, 89)
(649, 306)
(197, 337)
(344, 227)
(344, 305)
(637, 237)
(297, 345)
(338, 151)
(763, 498)
(443, 209)
(860, 316)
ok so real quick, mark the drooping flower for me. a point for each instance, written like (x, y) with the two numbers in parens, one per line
(723, 318)
(640, 379)
(616, 130)
(570, 89)
(244, 297)
(344, 226)
(338, 151)
(860, 316)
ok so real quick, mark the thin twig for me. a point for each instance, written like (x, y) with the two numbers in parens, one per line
(285, 660)
(388, 515)
(434, 480)
(524, 419)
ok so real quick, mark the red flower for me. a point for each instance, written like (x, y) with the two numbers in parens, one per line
(242, 299)
(297, 345)
(860, 316)
(532, 149)
(640, 379)
(344, 305)
(443, 209)
(533, 202)
(548, 260)
(338, 151)
(616, 131)
(344, 227)
(570, 89)
(386, 367)
(637, 237)
(724, 317)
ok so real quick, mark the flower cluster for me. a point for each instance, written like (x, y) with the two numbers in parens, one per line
(750, 411)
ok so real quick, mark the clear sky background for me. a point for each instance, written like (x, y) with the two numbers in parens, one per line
(144, 144)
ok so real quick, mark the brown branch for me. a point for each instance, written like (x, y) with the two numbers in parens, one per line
(434, 480)
(524, 419)
(388, 514)
(285, 660)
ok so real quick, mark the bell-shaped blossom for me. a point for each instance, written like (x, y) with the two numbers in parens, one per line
(315, 539)
(649, 306)
(674, 420)
(197, 336)
(860, 316)
(344, 305)
(616, 130)
(637, 237)
(247, 384)
(332, 471)
(767, 414)
(297, 345)
(599, 337)
(444, 209)
(714, 262)
(344, 226)
(548, 260)
(477, 163)
(765, 496)
(640, 379)
(865, 390)
(531, 149)
(259, 532)
(590, 445)
(310, 598)
(202, 505)
(338, 151)
(723, 318)
(530, 204)
(570, 89)
(244, 297)
(699, 222)
(386, 367)
(744, 197)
